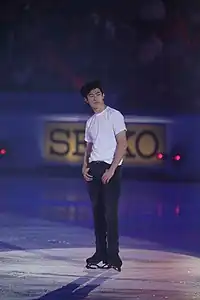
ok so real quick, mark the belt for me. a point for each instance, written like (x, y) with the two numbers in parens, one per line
(99, 162)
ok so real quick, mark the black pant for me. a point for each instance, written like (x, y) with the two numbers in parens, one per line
(105, 198)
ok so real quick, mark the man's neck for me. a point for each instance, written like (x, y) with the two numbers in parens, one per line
(100, 109)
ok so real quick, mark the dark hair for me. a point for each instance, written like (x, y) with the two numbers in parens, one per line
(89, 86)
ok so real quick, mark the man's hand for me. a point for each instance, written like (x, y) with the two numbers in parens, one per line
(108, 174)
(86, 175)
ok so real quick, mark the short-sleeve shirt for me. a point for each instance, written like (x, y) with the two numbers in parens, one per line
(101, 130)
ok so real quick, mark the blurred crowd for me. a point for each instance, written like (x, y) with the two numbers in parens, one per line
(145, 51)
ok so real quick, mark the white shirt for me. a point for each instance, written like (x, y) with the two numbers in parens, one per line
(101, 130)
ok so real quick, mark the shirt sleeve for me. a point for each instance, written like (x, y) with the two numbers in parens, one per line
(87, 135)
(118, 122)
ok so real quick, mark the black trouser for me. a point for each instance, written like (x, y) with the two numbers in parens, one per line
(105, 198)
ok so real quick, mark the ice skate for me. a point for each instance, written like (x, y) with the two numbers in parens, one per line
(96, 261)
(115, 263)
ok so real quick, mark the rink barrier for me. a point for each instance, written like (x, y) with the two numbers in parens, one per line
(55, 140)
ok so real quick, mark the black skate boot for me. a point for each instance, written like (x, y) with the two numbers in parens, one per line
(96, 261)
(115, 262)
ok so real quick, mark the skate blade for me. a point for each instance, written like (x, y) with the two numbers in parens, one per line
(113, 267)
(106, 267)
(98, 266)
(103, 266)
(117, 269)
(91, 267)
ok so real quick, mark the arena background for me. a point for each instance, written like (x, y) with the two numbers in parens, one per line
(52, 144)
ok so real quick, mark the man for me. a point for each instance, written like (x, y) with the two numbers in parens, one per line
(106, 143)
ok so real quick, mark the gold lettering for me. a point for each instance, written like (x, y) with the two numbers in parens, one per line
(64, 142)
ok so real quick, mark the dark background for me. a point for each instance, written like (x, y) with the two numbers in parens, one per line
(146, 52)
(147, 55)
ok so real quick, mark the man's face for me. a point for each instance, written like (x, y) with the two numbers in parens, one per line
(95, 99)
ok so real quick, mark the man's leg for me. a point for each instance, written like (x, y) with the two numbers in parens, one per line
(111, 194)
(95, 193)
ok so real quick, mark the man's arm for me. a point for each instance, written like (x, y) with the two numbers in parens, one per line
(120, 149)
(85, 168)
(88, 150)
(119, 128)
(119, 154)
